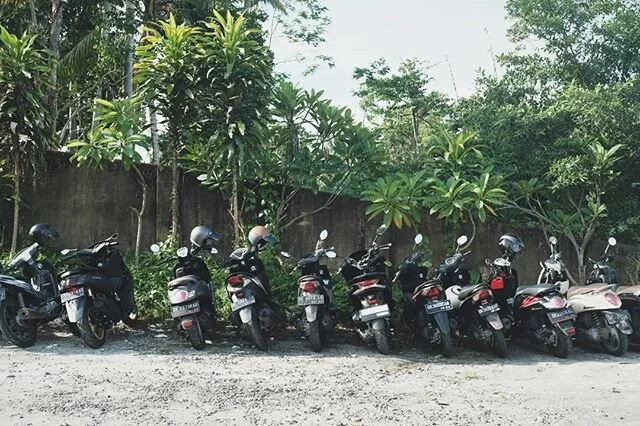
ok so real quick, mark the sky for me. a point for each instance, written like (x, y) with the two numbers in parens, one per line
(461, 33)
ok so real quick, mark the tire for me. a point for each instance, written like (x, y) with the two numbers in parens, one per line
(73, 329)
(617, 344)
(20, 336)
(257, 335)
(499, 343)
(562, 345)
(195, 336)
(446, 344)
(92, 334)
(315, 335)
(382, 339)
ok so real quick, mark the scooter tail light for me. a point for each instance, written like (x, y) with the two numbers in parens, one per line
(179, 296)
(482, 295)
(367, 283)
(308, 286)
(432, 292)
(612, 298)
(235, 281)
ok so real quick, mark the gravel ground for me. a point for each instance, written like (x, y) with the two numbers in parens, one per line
(153, 377)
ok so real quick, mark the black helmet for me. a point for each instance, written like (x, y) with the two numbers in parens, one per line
(260, 236)
(203, 237)
(42, 233)
(511, 243)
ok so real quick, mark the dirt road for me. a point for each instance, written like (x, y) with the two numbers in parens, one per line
(154, 378)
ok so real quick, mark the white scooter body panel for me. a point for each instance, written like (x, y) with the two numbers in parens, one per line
(452, 294)
(594, 302)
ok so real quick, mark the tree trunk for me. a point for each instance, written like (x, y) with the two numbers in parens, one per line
(175, 175)
(128, 65)
(140, 212)
(17, 176)
(155, 143)
(54, 45)
(234, 204)
(34, 18)
(415, 125)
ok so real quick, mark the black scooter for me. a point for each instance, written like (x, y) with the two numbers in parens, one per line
(28, 291)
(370, 293)
(191, 295)
(315, 294)
(251, 303)
(425, 304)
(98, 291)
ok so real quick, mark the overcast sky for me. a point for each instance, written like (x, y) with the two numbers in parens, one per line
(464, 31)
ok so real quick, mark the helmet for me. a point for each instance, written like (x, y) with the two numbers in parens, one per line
(203, 237)
(42, 233)
(511, 243)
(260, 236)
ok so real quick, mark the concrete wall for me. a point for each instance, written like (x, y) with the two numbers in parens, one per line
(86, 205)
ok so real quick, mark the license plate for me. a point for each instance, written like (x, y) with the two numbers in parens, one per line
(182, 310)
(561, 315)
(3, 293)
(488, 309)
(311, 299)
(241, 303)
(614, 318)
(374, 312)
(71, 295)
(438, 306)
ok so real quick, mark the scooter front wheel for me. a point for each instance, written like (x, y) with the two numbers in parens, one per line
(19, 335)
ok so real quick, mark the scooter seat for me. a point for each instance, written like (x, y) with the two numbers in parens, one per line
(187, 279)
(76, 271)
(535, 289)
(467, 291)
(584, 289)
(629, 290)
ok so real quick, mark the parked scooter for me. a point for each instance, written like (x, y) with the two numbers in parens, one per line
(540, 311)
(476, 313)
(600, 319)
(503, 279)
(315, 294)
(98, 292)
(28, 291)
(191, 292)
(630, 297)
(425, 304)
(370, 293)
(248, 288)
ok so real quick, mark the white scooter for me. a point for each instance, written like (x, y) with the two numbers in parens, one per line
(599, 317)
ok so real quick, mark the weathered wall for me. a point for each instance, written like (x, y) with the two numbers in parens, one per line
(86, 205)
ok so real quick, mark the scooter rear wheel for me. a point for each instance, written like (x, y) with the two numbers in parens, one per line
(257, 334)
(617, 344)
(382, 338)
(194, 335)
(21, 336)
(499, 343)
(93, 335)
(315, 335)
(561, 346)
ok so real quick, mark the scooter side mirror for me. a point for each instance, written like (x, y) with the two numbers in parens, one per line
(418, 239)
(553, 241)
(612, 241)
(65, 252)
(330, 254)
(114, 236)
(324, 234)
(155, 248)
(285, 254)
(381, 229)
(182, 252)
(487, 261)
(213, 250)
(462, 240)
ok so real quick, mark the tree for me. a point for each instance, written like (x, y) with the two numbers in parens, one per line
(118, 136)
(234, 82)
(570, 199)
(165, 77)
(24, 80)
